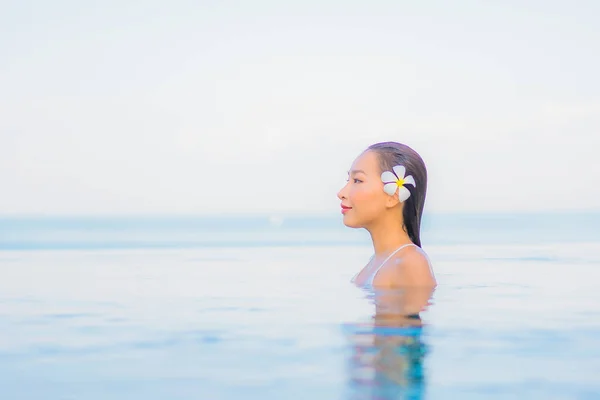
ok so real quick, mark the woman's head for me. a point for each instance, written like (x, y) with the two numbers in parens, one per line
(365, 196)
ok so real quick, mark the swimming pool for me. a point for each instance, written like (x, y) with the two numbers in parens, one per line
(508, 320)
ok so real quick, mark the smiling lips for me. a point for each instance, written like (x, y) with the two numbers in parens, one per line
(345, 209)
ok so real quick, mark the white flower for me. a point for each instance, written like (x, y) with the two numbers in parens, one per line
(397, 180)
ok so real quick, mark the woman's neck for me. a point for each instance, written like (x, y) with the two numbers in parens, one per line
(387, 236)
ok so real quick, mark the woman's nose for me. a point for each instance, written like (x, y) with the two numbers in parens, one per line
(341, 194)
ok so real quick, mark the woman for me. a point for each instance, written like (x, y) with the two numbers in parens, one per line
(385, 194)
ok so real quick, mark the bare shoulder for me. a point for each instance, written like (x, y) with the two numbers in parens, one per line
(410, 267)
(415, 267)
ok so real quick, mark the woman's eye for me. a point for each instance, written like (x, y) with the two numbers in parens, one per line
(357, 180)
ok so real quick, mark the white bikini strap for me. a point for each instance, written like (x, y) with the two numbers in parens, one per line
(386, 260)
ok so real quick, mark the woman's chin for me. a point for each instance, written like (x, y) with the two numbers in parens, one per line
(349, 222)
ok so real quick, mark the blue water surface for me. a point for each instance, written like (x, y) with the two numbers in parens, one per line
(261, 307)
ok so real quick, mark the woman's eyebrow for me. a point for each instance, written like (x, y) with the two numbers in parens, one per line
(356, 171)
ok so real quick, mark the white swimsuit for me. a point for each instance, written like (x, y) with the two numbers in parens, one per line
(369, 282)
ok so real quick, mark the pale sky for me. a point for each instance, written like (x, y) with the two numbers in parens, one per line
(261, 106)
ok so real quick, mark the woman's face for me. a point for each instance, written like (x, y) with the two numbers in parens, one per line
(362, 198)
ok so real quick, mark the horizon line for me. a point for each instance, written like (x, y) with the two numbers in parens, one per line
(288, 214)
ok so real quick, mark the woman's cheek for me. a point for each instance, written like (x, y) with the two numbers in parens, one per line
(357, 194)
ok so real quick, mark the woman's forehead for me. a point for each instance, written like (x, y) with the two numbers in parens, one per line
(367, 162)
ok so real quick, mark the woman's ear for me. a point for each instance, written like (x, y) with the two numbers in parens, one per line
(392, 201)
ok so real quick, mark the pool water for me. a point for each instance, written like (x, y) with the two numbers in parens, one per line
(507, 321)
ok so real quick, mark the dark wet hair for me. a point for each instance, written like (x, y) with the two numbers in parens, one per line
(391, 154)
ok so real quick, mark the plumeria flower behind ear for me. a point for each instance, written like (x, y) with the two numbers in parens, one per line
(397, 180)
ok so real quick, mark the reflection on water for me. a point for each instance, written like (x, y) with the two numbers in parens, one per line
(387, 352)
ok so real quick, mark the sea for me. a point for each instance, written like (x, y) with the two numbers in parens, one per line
(261, 307)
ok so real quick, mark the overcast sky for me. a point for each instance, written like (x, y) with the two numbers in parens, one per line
(260, 106)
